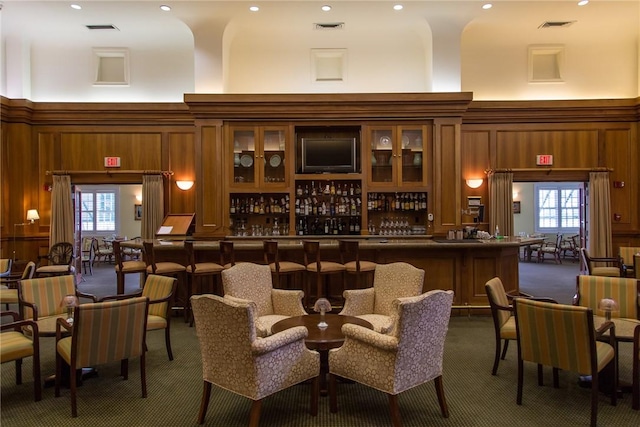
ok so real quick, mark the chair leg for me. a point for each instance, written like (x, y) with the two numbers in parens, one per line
(504, 349)
(124, 369)
(395, 410)
(167, 340)
(58, 374)
(594, 400)
(204, 402)
(441, 399)
(254, 415)
(143, 374)
(315, 393)
(496, 359)
(37, 383)
(333, 400)
(73, 386)
(520, 380)
(18, 371)
(556, 378)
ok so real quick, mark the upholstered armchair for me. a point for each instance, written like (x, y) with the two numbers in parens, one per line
(610, 267)
(253, 282)
(15, 346)
(375, 305)
(410, 355)
(9, 287)
(258, 367)
(101, 333)
(590, 290)
(564, 337)
(627, 253)
(59, 261)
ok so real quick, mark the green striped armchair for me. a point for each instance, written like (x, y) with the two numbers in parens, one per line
(591, 289)
(563, 337)
(627, 253)
(101, 333)
(15, 346)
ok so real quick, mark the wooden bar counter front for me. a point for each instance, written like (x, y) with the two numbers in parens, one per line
(463, 266)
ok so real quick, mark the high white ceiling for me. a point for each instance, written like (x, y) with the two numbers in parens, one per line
(40, 21)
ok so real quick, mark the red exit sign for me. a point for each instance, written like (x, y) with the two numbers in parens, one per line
(544, 160)
(112, 162)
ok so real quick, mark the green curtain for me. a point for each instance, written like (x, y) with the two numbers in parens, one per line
(599, 237)
(61, 229)
(152, 205)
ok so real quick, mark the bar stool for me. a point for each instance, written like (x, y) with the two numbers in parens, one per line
(288, 269)
(227, 254)
(171, 269)
(197, 272)
(126, 267)
(321, 269)
(350, 258)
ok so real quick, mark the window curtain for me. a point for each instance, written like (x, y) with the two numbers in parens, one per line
(61, 229)
(501, 202)
(152, 205)
(599, 236)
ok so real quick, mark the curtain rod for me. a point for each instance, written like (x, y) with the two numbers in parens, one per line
(112, 172)
(548, 170)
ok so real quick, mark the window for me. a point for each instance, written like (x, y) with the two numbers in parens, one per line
(557, 207)
(99, 210)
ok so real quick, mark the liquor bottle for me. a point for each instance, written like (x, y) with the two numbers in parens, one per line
(299, 190)
(332, 189)
(233, 206)
(357, 225)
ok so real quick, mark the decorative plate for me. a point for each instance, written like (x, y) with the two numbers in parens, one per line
(385, 140)
(246, 160)
(405, 141)
(275, 161)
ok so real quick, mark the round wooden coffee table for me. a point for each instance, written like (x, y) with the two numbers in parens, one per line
(321, 340)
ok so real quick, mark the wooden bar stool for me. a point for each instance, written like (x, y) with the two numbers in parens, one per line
(170, 269)
(126, 267)
(290, 270)
(197, 272)
(350, 258)
(227, 254)
(318, 268)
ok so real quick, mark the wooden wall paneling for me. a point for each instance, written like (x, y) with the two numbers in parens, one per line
(446, 164)
(48, 160)
(209, 179)
(182, 163)
(618, 155)
(475, 152)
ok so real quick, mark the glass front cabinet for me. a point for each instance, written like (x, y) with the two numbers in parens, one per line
(259, 156)
(396, 156)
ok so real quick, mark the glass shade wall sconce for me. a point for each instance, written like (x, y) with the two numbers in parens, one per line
(474, 183)
(184, 185)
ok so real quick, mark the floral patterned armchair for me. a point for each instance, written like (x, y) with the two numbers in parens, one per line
(390, 281)
(410, 355)
(258, 367)
(253, 282)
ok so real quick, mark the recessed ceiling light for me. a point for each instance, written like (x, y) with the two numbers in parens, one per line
(76, 6)
(398, 7)
(326, 8)
(583, 2)
(487, 6)
(254, 8)
(165, 8)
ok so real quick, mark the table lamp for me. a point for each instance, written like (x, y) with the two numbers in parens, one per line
(70, 302)
(322, 305)
(608, 305)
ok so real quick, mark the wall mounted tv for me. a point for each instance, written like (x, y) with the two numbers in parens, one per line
(329, 155)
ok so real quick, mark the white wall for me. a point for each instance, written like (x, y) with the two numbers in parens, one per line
(128, 225)
(524, 221)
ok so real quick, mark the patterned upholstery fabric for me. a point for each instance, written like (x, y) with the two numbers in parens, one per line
(46, 293)
(561, 336)
(503, 322)
(375, 305)
(15, 346)
(252, 282)
(103, 332)
(9, 293)
(591, 289)
(160, 290)
(409, 356)
(235, 359)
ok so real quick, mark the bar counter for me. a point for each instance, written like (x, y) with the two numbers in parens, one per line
(463, 266)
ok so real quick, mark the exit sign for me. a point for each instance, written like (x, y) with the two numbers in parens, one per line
(112, 162)
(544, 160)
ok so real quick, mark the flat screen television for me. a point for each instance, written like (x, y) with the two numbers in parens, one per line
(329, 155)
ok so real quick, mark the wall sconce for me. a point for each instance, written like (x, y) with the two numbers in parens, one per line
(32, 215)
(184, 185)
(474, 183)
(515, 194)
(139, 198)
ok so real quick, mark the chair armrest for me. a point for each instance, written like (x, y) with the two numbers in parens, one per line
(358, 302)
(92, 297)
(369, 337)
(31, 305)
(273, 342)
(121, 296)
(60, 325)
(17, 325)
(607, 326)
(287, 302)
(15, 316)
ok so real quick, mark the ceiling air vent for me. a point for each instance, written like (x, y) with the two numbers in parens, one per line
(556, 24)
(329, 26)
(102, 27)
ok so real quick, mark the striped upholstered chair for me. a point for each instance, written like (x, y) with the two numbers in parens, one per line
(9, 288)
(375, 305)
(591, 289)
(101, 333)
(235, 359)
(408, 356)
(563, 337)
(627, 253)
(15, 346)
(253, 282)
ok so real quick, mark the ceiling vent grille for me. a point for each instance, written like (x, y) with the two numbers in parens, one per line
(556, 24)
(102, 27)
(329, 26)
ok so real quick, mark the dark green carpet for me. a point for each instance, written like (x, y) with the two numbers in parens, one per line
(475, 398)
